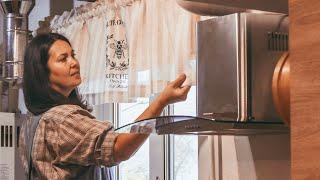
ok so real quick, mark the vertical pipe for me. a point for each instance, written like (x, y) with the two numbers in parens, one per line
(15, 39)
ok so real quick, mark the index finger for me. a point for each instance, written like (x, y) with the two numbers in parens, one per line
(179, 81)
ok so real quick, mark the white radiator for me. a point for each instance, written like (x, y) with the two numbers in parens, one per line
(10, 166)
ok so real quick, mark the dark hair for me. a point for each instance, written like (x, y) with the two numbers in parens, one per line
(38, 94)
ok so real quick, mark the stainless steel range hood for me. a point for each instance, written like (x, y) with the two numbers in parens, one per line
(236, 58)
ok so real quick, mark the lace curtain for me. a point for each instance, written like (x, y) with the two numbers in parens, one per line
(129, 49)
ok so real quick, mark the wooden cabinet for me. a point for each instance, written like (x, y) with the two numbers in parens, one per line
(305, 88)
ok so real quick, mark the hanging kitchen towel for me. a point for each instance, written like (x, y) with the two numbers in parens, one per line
(109, 59)
(108, 51)
(116, 52)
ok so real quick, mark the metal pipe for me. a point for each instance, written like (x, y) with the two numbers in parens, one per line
(15, 39)
(15, 35)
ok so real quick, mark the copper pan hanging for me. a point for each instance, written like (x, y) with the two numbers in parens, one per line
(281, 87)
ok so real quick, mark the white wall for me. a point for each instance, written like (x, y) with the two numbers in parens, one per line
(42, 9)
(39, 12)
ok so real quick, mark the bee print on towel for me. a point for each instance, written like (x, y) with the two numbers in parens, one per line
(119, 47)
(117, 54)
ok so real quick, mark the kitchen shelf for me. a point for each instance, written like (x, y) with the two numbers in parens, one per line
(190, 125)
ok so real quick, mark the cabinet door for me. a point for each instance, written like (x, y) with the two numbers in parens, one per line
(305, 88)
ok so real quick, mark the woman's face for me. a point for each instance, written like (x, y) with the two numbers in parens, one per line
(64, 68)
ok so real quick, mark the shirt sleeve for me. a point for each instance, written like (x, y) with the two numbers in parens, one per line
(85, 141)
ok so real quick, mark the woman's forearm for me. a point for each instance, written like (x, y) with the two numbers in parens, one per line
(153, 110)
(127, 144)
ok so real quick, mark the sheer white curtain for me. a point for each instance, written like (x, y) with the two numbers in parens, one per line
(161, 38)
(129, 48)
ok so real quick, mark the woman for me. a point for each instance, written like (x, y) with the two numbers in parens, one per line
(67, 141)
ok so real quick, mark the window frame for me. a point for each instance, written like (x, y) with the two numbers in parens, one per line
(159, 168)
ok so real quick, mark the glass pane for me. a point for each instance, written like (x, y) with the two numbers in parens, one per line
(185, 148)
(137, 167)
(190, 125)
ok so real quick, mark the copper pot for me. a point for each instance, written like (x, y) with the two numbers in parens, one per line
(281, 87)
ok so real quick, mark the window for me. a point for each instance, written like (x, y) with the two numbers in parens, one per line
(185, 147)
(151, 160)
(137, 167)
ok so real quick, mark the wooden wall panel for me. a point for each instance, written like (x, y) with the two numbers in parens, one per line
(305, 88)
